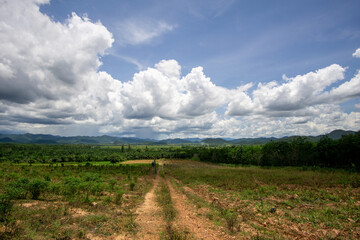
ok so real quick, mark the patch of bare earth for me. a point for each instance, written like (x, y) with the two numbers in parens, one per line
(149, 221)
(251, 219)
(138, 161)
(200, 228)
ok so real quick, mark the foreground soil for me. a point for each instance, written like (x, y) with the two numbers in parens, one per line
(149, 221)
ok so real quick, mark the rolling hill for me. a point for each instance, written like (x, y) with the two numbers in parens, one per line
(110, 140)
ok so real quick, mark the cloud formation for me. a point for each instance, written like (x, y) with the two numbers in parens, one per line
(356, 54)
(297, 94)
(139, 31)
(50, 83)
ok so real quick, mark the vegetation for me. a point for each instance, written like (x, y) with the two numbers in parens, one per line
(342, 153)
(56, 154)
(273, 203)
(63, 201)
(329, 153)
(57, 191)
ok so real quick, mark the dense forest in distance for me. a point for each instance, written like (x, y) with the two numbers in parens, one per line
(328, 152)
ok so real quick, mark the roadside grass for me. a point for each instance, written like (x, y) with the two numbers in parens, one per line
(276, 202)
(58, 202)
(165, 202)
(214, 213)
(168, 212)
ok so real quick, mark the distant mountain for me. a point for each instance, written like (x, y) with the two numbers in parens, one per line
(109, 140)
(50, 139)
(215, 141)
(174, 141)
(337, 134)
(193, 140)
(251, 141)
(6, 140)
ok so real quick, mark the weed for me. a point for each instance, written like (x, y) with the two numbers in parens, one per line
(112, 183)
(5, 208)
(118, 197)
(174, 234)
(17, 189)
(132, 186)
(36, 187)
(131, 225)
(231, 220)
(164, 200)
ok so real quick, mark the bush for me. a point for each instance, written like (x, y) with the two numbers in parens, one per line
(71, 186)
(36, 187)
(17, 189)
(5, 208)
(47, 178)
(132, 186)
(96, 188)
(231, 220)
(118, 197)
(112, 183)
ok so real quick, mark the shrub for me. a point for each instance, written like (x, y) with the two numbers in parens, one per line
(36, 187)
(5, 208)
(112, 183)
(17, 189)
(95, 188)
(132, 186)
(71, 186)
(118, 197)
(47, 178)
(55, 187)
(231, 220)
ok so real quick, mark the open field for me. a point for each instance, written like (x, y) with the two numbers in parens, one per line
(186, 200)
(274, 203)
(71, 202)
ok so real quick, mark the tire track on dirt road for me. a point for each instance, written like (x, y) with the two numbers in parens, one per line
(187, 218)
(149, 221)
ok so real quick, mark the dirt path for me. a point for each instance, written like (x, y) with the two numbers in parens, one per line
(138, 161)
(149, 221)
(187, 219)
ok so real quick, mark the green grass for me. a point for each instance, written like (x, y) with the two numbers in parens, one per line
(165, 202)
(169, 213)
(96, 192)
(309, 199)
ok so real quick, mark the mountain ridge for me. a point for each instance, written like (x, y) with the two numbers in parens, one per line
(111, 140)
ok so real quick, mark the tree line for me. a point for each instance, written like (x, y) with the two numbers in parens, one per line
(342, 153)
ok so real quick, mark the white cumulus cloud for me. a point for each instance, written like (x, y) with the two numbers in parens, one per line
(297, 96)
(356, 53)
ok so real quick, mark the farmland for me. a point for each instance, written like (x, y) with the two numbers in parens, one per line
(94, 192)
(53, 202)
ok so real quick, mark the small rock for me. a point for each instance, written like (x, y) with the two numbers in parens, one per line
(273, 210)
(312, 237)
(333, 233)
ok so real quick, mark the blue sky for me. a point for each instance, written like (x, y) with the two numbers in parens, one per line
(235, 41)
(240, 47)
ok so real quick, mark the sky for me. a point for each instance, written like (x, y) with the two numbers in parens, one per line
(179, 69)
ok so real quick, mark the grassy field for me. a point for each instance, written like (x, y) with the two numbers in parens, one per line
(70, 201)
(100, 201)
(273, 203)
